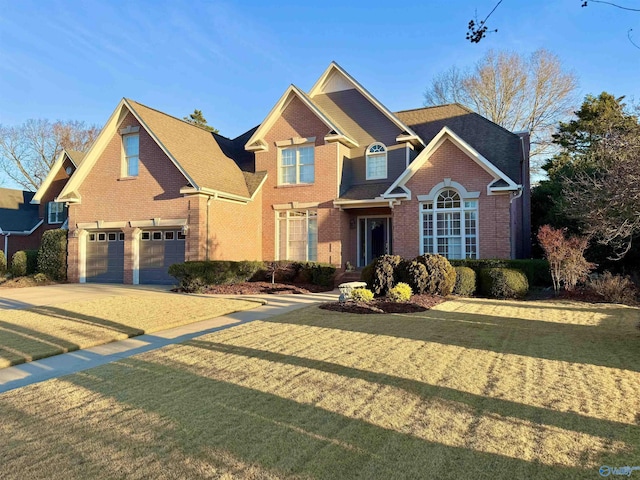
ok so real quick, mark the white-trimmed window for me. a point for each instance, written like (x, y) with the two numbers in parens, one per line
(131, 148)
(297, 235)
(296, 165)
(376, 161)
(450, 225)
(55, 212)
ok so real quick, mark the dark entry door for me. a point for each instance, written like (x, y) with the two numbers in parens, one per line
(375, 238)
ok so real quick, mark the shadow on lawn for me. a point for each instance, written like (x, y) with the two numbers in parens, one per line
(611, 346)
(63, 314)
(20, 344)
(278, 435)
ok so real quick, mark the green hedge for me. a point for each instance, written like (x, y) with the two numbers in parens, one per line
(536, 270)
(503, 283)
(3, 263)
(193, 275)
(52, 256)
(465, 281)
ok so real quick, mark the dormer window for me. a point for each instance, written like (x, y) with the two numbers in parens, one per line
(376, 161)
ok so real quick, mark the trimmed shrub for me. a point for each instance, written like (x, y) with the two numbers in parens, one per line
(400, 293)
(52, 256)
(465, 282)
(3, 263)
(437, 277)
(40, 278)
(19, 264)
(385, 274)
(317, 273)
(536, 270)
(503, 283)
(415, 275)
(613, 288)
(367, 274)
(361, 295)
(193, 276)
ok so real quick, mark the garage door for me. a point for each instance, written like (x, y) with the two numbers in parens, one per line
(105, 257)
(158, 250)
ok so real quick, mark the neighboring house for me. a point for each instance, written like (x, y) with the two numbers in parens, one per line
(330, 175)
(25, 216)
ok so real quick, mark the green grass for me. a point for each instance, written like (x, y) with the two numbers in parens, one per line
(43, 331)
(471, 389)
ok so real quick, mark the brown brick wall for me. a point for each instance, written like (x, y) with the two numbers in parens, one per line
(155, 193)
(298, 121)
(493, 211)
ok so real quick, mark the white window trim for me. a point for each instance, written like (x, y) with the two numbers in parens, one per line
(49, 212)
(124, 171)
(377, 155)
(298, 164)
(434, 211)
(277, 235)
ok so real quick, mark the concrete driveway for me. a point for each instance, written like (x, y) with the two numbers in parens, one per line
(17, 298)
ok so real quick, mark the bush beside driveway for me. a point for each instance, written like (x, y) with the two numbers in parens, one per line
(470, 389)
(46, 330)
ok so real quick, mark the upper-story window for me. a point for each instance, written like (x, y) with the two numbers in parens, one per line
(297, 165)
(55, 212)
(131, 146)
(376, 161)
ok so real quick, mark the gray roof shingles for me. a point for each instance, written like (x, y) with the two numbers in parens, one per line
(16, 213)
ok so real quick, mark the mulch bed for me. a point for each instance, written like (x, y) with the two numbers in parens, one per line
(418, 303)
(261, 288)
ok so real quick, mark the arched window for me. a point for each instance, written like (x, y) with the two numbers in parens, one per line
(376, 161)
(450, 225)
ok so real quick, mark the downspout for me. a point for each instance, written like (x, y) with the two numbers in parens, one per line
(207, 241)
(6, 247)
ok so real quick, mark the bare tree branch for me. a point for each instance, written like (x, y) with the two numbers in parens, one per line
(28, 151)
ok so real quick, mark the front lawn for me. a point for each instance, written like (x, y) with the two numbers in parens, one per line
(473, 388)
(43, 331)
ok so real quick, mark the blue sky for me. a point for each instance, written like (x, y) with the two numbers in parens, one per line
(74, 60)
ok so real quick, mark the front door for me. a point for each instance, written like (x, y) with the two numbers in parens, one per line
(374, 238)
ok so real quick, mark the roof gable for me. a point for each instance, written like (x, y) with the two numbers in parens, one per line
(447, 134)
(499, 146)
(73, 155)
(336, 133)
(336, 79)
(193, 150)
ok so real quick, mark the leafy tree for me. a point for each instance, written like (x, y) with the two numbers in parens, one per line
(515, 91)
(197, 118)
(28, 151)
(595, 177)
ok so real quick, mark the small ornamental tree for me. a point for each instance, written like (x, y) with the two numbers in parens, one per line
(565, 256)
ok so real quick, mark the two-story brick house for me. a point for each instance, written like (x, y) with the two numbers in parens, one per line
(330, 175)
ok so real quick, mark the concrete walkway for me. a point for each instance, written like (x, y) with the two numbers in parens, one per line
(67, 363)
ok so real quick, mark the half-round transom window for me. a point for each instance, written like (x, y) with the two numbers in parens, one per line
(376, 161)
(448, 199)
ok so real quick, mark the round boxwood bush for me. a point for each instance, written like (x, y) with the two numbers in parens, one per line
(385, 273)
(430, 273)
(465, 282)
(503, 283)
(400, 293)
(19, 264)
(361, 295)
